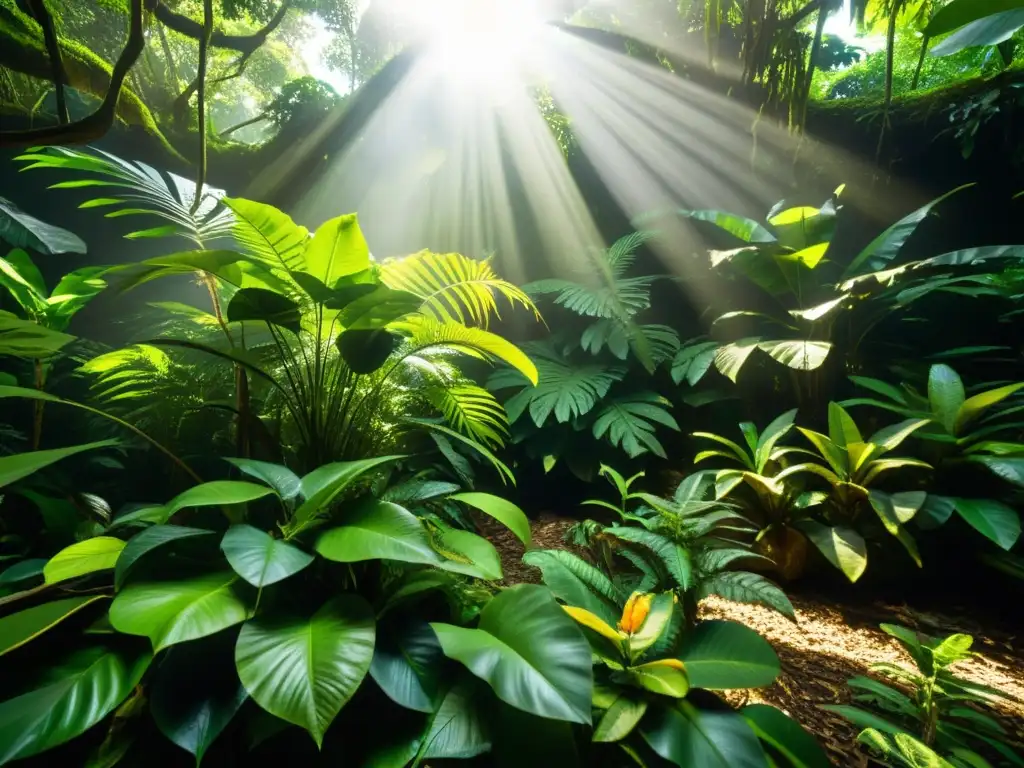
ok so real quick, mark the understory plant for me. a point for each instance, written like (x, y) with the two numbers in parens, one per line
(927, 715)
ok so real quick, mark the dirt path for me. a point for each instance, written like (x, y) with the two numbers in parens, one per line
(828, 645)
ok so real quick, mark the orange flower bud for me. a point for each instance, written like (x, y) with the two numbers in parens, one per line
(636, 610)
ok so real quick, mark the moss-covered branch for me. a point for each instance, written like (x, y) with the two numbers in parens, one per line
(183, 25)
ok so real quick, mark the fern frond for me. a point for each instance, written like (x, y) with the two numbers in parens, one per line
(622, 253)
(630, 422)
(427, 333)
(472, 411)
(454, 287)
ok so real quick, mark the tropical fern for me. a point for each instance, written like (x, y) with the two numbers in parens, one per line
(148, 191)
(629, 422)
(454, 287)
(566, 390)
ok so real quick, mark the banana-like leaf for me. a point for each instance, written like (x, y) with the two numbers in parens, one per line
(729, 359)
(337, 250)
(801, 355)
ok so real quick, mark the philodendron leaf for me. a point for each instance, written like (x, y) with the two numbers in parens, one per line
(378, 530)
(169, 612)
(196, 692)
(19, 465)
(785, 735)
(146, 541)
(260, 559)
(720, 655)
(689, 736)
(304, 670)
(72, 696)
(842, 546)
(84, 557)
(20, 628)
(407, 664)
(530, 652)
(323, 484)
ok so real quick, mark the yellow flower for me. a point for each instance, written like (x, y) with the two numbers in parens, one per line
(636, 610)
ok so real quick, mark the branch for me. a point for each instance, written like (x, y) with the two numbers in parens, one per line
(60, 79)
(99, 122)
(189, 28)
(204, 53)
(239, 126)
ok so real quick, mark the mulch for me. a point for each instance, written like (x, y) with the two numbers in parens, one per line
(828, 644)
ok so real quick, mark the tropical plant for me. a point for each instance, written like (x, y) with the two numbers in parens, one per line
(852, 466)
(927, 710)
(649, 671)
(281, 597)
(595, 373)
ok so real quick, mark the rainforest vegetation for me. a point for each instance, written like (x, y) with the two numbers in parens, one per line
(561, 383)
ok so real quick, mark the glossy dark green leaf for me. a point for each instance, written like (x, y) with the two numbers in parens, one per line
(264, 305)
(378, 530)
(577, 582)
(366, 351)
(22, 627)
(723, 654)
(146, 541)
(19, 465)
(531, 653)
(459, 728)
(280, 478)
(959, 13)
(196, 692)
(260, 559)
(407, 664)
(26, 569)
(170, 612)
(303, 670)
(688, 736)
(785, 735)
(619, 720)
(72, 696)
(20, 230)
(323, 484)
(992, 519)
(842, 545)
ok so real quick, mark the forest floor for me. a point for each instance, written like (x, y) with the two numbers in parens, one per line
(828, 644)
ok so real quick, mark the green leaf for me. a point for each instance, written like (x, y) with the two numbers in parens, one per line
(723, 654)
(688, 736)
(630, 422)
(842, 429)
(889, 438)
(195, 692)
(771, 435)
(693, 361)
(169, 612)
(1010, 469)
(322, 485)
(869, 689)
(675, 558)
(835, 455)
(664, 677)
(268, 234)
(17, 629)
(862, 718)
(992, 519)
(959, 13)
(945, 395)
(785, 735)
(653, 626)
(26, 569)
(305, 670)
(280, 478)
(974, 406)
(89, 556)
(801, 355)
(729, 358)
(842, 546)
(366, 351)
(20, 230)
(19, 465)
(576, 582)
(990, 30)
(216, 494)
(884, 248)
(529, 651)
(260, 559)
(746, 587)
(459, 728)
(378, 530)
(266, 306)
(148, 540)
(407, 663)
(619, 720)
(747, 230)
(377, 309)
(505, 512)
(337, 249)
(73, 695)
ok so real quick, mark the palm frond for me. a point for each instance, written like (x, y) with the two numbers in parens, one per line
(146, 191)
(428, 333)
(622, 253)
(472, 411)
(454, 287)
(630, 422)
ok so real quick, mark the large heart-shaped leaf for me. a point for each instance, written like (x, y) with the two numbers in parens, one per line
(785, 735)
(260, 559)
(723, 654)
(688, 736)
(196, 692)
(378, 530)
(148, 540)
(20, 628)
(19, 465)
(74, 695)
(20, 230)
(303, 670)
(366, 351)
(530, 652)
(97, 554)
(169, 612)
(407, 661)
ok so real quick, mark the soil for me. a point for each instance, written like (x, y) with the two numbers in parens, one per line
(828, 644)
